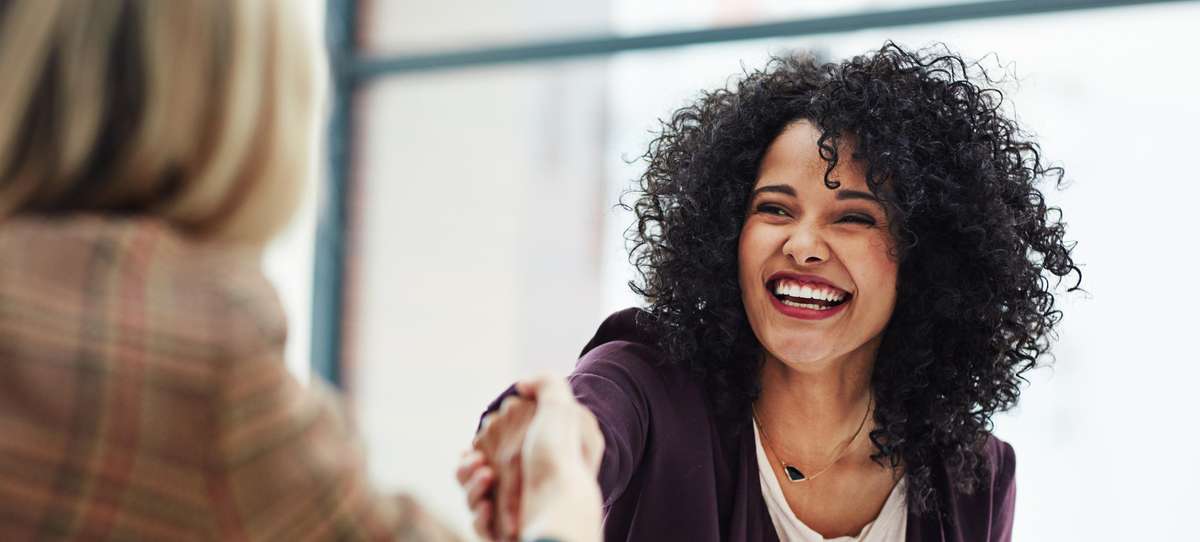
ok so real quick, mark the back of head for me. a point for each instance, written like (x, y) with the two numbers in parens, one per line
(200, 112)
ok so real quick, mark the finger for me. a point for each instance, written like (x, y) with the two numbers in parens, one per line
(483, 520)
(508, 403)
(470, 462)
(530, 387)
(546, 388)
(487, 419)
(479, 485)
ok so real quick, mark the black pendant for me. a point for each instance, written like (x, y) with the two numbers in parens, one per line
(793, 473)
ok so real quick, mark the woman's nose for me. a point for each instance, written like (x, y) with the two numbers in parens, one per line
(806, 246)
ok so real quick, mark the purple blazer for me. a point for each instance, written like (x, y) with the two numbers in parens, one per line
(672, 471)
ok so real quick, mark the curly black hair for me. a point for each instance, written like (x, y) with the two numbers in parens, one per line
(975, 240)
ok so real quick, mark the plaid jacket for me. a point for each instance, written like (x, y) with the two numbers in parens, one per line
(143, 396)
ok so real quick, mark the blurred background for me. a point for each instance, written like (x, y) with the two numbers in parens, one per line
(465, 234)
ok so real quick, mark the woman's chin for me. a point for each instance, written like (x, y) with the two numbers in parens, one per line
(804, 358)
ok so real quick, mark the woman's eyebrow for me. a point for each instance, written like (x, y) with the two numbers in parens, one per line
(841, 194)
(777, 188)
(856, 194)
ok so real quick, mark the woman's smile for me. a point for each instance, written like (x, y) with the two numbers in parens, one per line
(807, 297)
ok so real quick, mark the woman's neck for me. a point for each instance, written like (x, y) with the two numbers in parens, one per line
(809, 414)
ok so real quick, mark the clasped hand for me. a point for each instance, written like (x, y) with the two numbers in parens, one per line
(531, 472)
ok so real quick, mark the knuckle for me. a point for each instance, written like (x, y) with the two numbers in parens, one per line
(509, 403)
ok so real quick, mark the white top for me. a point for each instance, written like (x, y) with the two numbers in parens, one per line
(889, 525)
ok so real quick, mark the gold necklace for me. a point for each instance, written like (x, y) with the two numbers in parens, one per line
(793, 473)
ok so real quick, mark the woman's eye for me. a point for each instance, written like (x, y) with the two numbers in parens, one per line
(772, 209)
(858, 219)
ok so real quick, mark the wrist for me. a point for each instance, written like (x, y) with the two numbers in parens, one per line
(566, 508)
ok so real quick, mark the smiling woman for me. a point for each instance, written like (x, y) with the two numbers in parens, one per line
(846, 271)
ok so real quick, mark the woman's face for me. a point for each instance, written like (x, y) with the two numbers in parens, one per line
(818, 282)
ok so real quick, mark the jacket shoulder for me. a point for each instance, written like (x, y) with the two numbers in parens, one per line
(1002, 461)
(625, 352)
(625, 341)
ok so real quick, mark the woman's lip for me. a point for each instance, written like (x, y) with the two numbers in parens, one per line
(797, 277)
(802, 313)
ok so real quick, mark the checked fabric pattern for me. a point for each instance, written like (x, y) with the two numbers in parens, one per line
(143, 396)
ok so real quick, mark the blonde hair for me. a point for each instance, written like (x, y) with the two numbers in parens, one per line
(201, 112)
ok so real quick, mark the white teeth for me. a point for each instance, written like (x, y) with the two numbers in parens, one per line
(808, 291)
(810, 306)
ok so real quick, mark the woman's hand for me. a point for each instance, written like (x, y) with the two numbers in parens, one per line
(495, 498)
(533, 469)
(560, 498)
